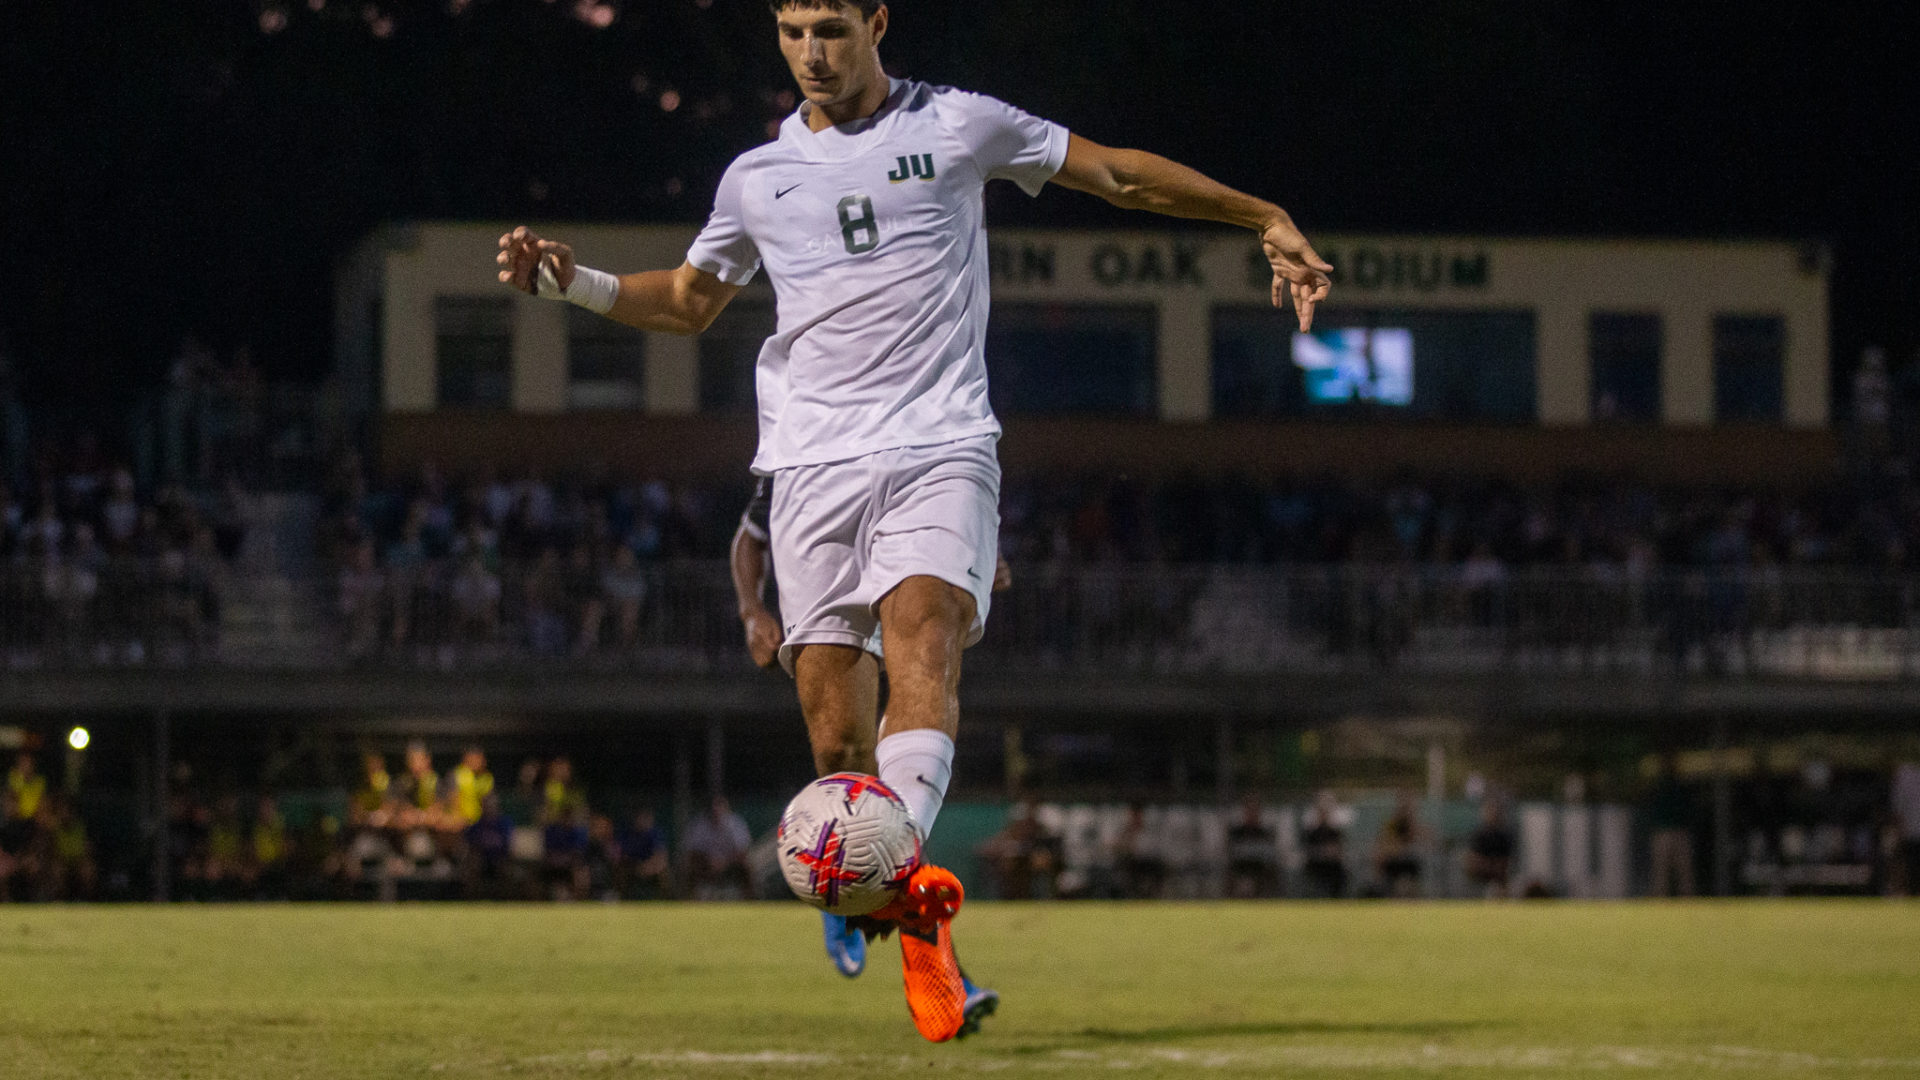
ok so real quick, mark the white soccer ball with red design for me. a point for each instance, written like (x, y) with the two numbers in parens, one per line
(848, 844)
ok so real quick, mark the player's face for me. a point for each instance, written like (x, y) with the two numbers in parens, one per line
(832, 51)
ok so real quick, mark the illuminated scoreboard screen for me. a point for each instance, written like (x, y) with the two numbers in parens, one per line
(1451, 365)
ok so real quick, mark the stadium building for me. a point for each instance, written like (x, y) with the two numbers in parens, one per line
(1668, 359)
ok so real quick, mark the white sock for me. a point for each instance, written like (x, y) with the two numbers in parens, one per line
(917, 765)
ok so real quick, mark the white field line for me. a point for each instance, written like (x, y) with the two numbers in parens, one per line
(1350, 1058)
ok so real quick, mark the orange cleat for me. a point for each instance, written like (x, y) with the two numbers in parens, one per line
(936, 991)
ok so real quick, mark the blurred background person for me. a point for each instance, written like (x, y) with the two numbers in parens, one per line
(1490, 850)
(716, 853)
(1253, 854)
(644, 865)
(1396, 851)
(1906, 822)
(1323, 839)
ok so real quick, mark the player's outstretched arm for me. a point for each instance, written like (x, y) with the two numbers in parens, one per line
(1138, 180)
(749, 563)
(680, 301)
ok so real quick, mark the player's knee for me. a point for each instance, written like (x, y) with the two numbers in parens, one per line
(840, 754)
(921, 606)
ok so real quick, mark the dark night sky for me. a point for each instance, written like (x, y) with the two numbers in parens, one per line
(181, 168)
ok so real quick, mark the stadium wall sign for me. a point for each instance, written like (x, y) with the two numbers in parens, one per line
(391, 288)
(1394, 269)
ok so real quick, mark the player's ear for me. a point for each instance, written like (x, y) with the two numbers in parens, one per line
(878, 24)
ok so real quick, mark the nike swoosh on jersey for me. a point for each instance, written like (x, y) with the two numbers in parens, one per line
(783, 194)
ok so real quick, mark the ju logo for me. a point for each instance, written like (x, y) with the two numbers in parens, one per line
(911, 167)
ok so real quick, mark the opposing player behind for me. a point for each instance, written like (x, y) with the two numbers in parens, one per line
(866, 214)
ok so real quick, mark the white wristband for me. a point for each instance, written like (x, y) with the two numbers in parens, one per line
(592, 289)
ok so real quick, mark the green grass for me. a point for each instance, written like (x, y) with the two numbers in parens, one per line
(1174, 990)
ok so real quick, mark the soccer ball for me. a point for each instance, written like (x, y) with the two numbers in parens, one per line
(848, 844)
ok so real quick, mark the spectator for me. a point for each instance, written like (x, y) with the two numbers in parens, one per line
(581, 583)
(369, 807)
(71, 872)
(625, 589)
(560, 797)
(1490, 850)
(1138, 857)
(225, 870)
(362, 588)
(716, 852)
(643, 859)
(602, 875)
(417, 792)
(1906, 817)
(1670, 814)
(545, 600)
(468, 788)
(1023, 858)
(564, 854)
(269, 850)
(1253, 855)
(489, 851)
(1323, 837)
(27, 787)
(1396, 854)
(475, 594)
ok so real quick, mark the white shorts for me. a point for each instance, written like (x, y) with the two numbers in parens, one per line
(847, 532)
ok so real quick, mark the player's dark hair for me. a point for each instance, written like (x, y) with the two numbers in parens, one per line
(865, 7)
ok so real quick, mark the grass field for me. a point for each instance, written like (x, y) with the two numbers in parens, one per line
(1173, 990)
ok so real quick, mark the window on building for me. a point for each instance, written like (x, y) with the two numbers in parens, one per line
(729, 350)
(1749, 367)
(1623, 349)
(473, 351)
(1054, 359)
(1451, 365)
(605, 362)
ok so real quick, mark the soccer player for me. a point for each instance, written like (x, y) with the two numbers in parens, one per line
(866, 214)
(750, 561)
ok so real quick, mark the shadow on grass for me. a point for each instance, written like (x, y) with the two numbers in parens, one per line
(1176, 1033)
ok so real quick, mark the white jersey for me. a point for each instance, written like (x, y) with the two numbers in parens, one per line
(872, 235)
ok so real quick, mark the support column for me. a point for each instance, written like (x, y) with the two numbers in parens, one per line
(540, 357)
(1223, 762)
(1722, 812)
(162, 835)
(716, 759)
(1184, 360)
(671, 375)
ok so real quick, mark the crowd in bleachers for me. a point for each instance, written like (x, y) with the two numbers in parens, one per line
(420, 833)
(439, 563)
(45, 852)
(1484, 522)
(94, 569)
(1194, 519)
(1251, 851)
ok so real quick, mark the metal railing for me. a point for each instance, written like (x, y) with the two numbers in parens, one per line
(1141, 620)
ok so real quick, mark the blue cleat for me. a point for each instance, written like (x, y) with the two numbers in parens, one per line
(846, 946)
(981, 1002)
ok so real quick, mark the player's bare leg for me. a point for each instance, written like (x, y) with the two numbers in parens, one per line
(839, 697)
(924, 623)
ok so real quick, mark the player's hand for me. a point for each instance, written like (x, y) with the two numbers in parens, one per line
(1298, 270)
(521, 252)
(763, 637)
(1002, 575)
